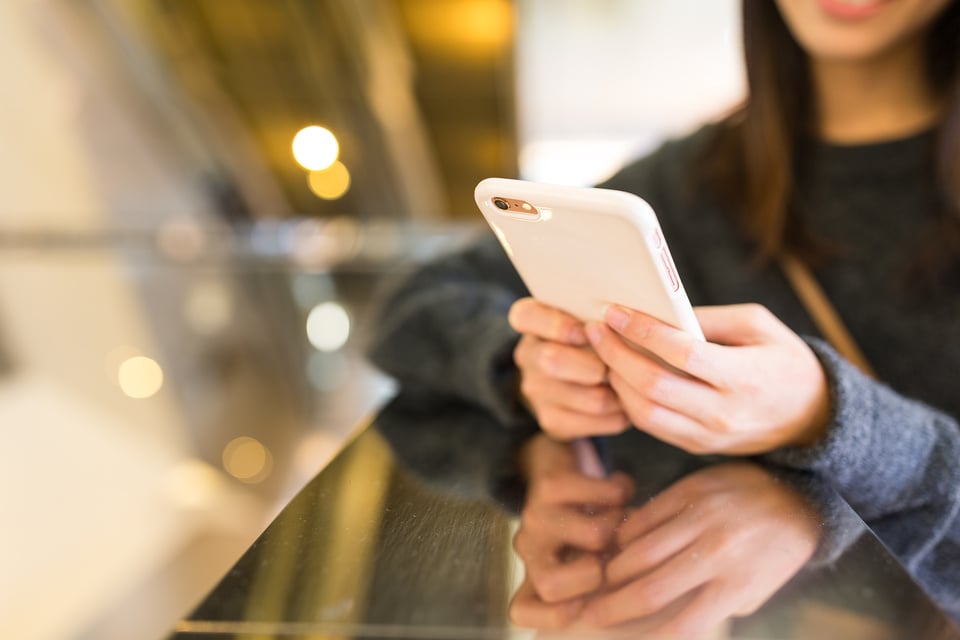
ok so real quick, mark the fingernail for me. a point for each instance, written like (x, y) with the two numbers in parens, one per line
(594, 333)
(617, 317)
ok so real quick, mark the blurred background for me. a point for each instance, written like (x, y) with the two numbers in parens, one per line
(199, 200)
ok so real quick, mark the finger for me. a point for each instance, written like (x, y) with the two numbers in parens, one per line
(556, 582)
(655, 513)
(626, 484)
(738, 324)
(529, 316)
(598, 399)
(640, 627)
(560, 361)
(646, 552)
(528, 610)
(675, 347)
(662, 423)
(652, 592)
(546, 530)
(564, 424)
(705, 612)
(652, 380)
(575, 488)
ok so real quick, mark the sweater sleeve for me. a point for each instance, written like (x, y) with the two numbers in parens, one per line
(897, 462)
(444, 330)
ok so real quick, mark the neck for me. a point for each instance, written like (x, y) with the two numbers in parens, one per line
(881, 98)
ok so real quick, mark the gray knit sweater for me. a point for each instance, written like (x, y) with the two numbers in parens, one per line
(892, 449)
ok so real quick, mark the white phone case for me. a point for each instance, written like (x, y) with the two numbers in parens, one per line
(579, 249)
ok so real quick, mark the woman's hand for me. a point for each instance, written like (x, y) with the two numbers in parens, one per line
(561, 380)
(567, 525)
(753, 387)
(718, 543)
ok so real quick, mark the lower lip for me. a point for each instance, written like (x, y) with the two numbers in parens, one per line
(851, 12)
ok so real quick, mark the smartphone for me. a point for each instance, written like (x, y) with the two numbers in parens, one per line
(579, 249)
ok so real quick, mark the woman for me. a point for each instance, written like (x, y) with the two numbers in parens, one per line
(846, 155)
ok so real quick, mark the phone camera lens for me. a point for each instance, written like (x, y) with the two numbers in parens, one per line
(500, 203)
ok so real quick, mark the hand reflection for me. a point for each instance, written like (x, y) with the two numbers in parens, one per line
(567, 528)
(716, 544)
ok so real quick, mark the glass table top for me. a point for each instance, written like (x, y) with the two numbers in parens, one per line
(422, 528)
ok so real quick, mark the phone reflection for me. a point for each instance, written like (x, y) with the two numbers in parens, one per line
(716, 544)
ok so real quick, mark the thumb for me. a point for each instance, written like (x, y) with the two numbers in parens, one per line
(737, 324)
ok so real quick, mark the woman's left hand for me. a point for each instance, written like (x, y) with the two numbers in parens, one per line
(752, 387)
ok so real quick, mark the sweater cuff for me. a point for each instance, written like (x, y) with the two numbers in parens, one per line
(848, 427)
(872, 441)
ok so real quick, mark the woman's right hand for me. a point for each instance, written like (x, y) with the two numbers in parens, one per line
(562, 380)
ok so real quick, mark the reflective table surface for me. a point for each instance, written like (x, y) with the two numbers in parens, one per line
(423, 528)
(164, 392)
(163, 406)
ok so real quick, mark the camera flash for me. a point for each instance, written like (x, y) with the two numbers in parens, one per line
(527, 206)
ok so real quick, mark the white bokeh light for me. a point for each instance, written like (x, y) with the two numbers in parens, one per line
(315, 148)
(328, 326)
(140, 377)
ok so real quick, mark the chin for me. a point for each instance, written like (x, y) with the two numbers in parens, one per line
(848, 47)
(857, 30)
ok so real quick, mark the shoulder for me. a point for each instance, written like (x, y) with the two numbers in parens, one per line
(672, 180)
(669, 171)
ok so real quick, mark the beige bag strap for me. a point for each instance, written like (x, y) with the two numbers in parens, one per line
(824, 315)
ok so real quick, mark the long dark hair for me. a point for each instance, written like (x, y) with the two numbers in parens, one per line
(751, 165)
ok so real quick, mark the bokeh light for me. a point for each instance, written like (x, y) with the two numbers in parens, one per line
(331, 183)
(328, 326)
(467, 29)
(247, 459)
(315, 148)
(140, 377)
